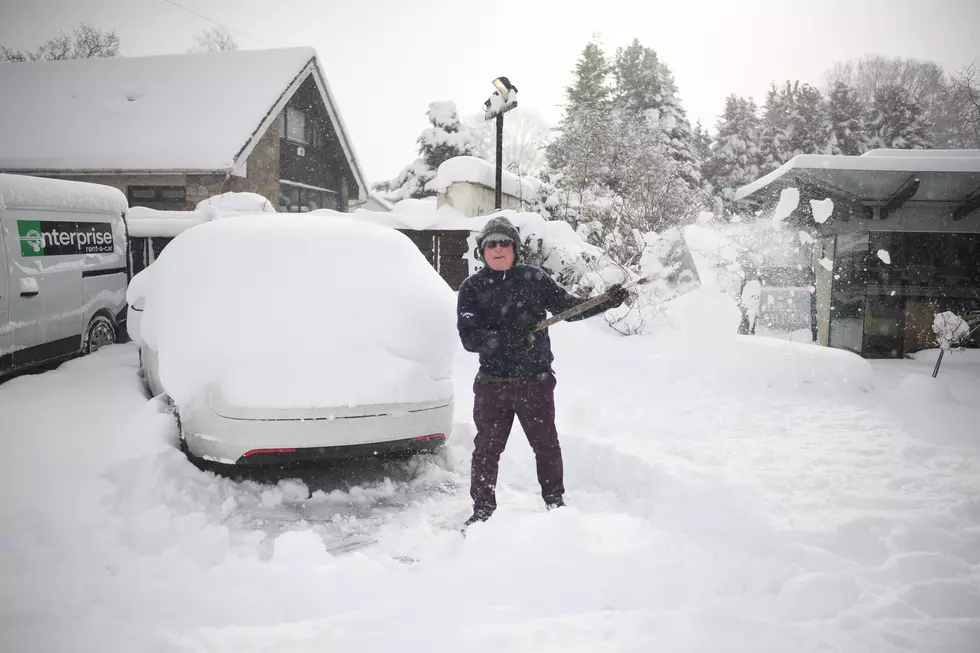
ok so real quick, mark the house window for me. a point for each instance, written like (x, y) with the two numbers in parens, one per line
(297, 128)
(298, 199)
(162, 198)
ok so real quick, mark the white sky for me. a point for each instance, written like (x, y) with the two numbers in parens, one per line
(387, 59)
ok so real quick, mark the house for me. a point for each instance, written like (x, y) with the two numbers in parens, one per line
(896, 241)
(170, 131)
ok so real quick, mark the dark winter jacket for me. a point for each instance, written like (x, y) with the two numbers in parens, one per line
(492, 306)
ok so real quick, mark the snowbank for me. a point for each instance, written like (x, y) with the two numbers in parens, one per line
(922, 389)
(720, 359)
(153, 223)
(60, 194)
(477, 171)
(296, 311)
(233, 203)
(703, 516)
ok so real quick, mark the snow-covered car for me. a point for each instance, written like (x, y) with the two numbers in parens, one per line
(297, 337)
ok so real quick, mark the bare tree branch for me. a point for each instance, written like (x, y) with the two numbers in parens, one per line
(216, 39)
(85, 42)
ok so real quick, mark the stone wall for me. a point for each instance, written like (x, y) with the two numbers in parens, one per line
(262, 169)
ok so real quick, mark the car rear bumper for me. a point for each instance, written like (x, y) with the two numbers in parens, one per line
(264, 457)
(237, 441)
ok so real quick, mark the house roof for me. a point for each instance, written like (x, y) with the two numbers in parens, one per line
(180, 112)
(877, 176)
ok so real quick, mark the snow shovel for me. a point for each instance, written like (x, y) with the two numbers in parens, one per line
(669, 266)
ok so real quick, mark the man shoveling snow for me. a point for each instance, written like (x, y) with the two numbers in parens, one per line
(498, 313)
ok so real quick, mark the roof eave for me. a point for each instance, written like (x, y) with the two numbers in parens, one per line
(345, 140)
(911, 164)
(311, 67)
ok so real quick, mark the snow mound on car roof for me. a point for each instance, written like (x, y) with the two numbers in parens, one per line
(298, 311)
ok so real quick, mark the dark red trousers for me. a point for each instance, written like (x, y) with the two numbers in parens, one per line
(532, 400)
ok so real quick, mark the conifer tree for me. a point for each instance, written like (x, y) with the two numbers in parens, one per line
(847, 132)
(439, 142)
(645, 89)
(735, 155)
(895, 120)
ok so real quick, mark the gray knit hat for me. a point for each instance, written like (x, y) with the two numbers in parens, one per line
(496, 228)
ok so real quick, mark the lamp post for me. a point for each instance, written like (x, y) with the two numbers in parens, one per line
(504, 99)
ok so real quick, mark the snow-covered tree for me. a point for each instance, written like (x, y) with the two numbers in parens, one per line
(625, 160)
(441, 141)
(925, 82)
(896, 120)
(85, 42)
(586, 102)
(526, 136)
(774, 138)
(794, 122)
(654, 191)
(957, 125)
(216, 39)
(735, 156)
(847, 133)
(702, 144)
(582, 156)
(645, 88)
(636, 75)
(810, 122)
(591, 72)
(444, 138)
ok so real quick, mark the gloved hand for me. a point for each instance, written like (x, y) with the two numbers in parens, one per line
(522, 334)
(617, 294)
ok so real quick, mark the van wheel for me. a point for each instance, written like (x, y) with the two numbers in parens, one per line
(100, 333)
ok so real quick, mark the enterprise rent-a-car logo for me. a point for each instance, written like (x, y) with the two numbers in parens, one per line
(43, 238)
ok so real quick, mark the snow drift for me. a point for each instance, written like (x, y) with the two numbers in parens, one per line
(298, 311)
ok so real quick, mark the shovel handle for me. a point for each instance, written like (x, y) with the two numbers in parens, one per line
(573, 311)
(586, 305)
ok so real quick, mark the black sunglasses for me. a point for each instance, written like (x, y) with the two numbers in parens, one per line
(506, 242)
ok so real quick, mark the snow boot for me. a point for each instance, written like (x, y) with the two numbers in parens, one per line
(479, 515)
(557, 503)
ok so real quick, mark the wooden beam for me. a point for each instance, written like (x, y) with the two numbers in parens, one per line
(971, 204)
(905, 192)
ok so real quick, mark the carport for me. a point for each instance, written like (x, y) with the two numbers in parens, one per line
(901, 243)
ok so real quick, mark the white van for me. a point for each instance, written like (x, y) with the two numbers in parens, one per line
(63, 269)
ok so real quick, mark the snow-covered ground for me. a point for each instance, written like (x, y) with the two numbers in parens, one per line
(726, 494)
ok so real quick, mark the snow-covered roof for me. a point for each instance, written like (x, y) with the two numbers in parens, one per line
(475, 170)
(922, 154)
(874, 175)
(25, 191)
(181, 112)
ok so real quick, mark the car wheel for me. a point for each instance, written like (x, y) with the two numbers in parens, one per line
(100, 333)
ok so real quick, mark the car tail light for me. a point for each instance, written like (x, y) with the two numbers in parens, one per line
(431, 436)
(254, 452)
